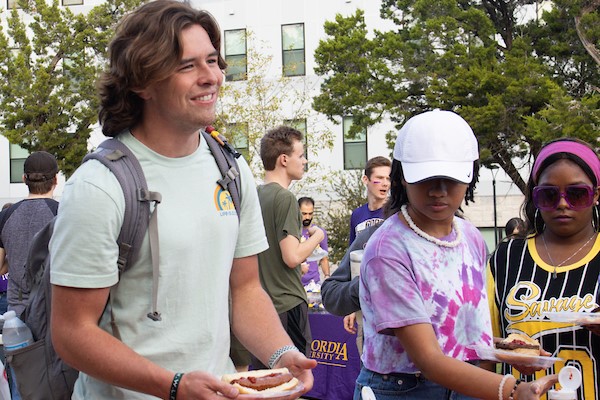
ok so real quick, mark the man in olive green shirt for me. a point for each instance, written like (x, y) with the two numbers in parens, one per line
(282, 154)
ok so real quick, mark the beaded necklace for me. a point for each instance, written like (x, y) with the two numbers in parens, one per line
(428, 237)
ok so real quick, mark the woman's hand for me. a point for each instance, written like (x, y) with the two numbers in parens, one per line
(594, 328)
(534, 390)
(350, 323)
(528, 369)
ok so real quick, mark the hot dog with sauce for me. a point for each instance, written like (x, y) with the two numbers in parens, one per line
(261, 381)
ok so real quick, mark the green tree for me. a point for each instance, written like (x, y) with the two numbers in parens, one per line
(473, 57)
(50, 59)
(347, 193)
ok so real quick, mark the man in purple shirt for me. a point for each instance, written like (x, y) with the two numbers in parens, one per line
(377, 181)
(307, 209)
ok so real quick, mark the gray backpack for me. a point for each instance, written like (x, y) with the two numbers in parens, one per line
(41, 374)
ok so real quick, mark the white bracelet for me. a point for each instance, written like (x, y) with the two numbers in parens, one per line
(277, 355)
(501, 387)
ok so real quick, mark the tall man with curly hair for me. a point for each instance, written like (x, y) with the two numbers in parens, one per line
(159, 92)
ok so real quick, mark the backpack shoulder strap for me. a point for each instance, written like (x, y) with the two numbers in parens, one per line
(121, 161)
(225, 157)
(124, 165)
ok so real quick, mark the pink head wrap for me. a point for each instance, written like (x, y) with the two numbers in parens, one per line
(586, 154)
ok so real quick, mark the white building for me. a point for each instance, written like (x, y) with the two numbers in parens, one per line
(292, 29)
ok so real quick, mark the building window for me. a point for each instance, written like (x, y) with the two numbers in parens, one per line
(72, 2)
(355, 147)
(300, 124)
(237, 135)
(292, 43)
(70, 69)
(235, 55)
(17, 160)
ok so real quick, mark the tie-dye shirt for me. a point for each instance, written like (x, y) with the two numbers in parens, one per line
(408, 280)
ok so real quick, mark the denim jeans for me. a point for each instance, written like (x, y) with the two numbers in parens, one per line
(14, 392)
(403, 386)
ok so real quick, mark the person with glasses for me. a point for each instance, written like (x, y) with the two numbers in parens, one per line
(556, 267)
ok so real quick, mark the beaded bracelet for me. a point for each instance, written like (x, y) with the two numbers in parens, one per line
(513, 391)
(501, 387)
(277, 355)
(175, 385)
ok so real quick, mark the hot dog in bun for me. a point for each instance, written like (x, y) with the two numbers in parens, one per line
(262, 380)
(519, 343)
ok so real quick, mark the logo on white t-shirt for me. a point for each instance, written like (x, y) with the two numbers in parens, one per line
(223, 202)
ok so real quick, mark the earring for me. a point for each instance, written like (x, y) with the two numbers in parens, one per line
(536, 218)
(596, 219)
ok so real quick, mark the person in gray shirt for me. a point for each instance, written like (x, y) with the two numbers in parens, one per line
(339, 292)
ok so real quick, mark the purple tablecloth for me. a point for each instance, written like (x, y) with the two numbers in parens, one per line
(337, 357)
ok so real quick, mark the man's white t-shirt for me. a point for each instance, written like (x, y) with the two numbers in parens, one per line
(199, 236)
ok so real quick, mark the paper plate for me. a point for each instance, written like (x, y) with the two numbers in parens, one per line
(510, 357)
(572, 317)
(317, 254)
(296, 392)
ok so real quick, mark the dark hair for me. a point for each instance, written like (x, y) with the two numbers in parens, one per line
(535, 223)
(146, 49)
(276, 142)
(512, 224)
(398, 196)
(306, 200)
(375, 162)
(40, 187)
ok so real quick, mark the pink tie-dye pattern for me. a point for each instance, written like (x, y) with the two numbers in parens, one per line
(439, 286)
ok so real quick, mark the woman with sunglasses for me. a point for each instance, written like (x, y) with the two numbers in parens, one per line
(556, 268)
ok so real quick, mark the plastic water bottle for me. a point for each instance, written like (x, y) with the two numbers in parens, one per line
(15, 334)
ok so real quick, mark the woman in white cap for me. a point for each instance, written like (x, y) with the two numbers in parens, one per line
(423, 276)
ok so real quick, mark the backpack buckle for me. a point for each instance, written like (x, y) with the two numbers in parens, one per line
(229, 177)
(154, 316)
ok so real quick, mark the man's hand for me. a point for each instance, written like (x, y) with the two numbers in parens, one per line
(202, 385)
(314, 230)
(304, 267)
(300, 366)
(350, 323)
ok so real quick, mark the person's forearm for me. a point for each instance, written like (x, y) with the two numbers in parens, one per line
(295, 252)
(256, 324)
(100, 355)
(307, 247)
(325, 267)
(81, 343)
(4, 261)
(459, 376)
(339, 293)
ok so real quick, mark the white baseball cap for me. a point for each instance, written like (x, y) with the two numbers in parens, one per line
(436, 144)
